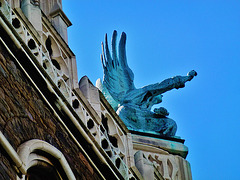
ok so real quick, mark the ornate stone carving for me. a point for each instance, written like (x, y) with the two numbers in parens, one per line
(134, 105)
(171, 167)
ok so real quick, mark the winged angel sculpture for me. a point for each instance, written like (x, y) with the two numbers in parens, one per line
(132, 104)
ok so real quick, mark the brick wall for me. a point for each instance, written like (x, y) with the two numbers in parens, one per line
(24, 116)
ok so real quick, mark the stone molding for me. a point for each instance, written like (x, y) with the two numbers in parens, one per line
(154, 145)
(28, 153)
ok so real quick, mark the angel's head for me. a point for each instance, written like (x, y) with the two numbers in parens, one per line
(152, 101)
(157, 99)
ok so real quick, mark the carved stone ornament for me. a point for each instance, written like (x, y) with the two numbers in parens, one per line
(133, 105)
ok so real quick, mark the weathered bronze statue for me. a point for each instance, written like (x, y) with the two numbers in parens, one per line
(131, 104)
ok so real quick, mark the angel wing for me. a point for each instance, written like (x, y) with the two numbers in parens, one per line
(118, 77)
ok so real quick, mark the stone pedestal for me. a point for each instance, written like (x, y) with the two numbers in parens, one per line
(158, 158)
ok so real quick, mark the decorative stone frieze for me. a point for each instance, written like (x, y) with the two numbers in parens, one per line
(109, 134)
(165, 156)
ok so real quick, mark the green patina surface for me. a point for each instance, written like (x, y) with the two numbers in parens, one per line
(134, 105)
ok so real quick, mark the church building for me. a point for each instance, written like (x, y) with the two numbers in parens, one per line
(53, 127)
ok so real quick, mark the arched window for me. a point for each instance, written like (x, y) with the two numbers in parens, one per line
(43, 161)
(42, 170)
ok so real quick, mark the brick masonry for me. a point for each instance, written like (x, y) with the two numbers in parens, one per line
(24, 116)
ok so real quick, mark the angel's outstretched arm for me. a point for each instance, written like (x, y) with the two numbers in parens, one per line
(175, 82)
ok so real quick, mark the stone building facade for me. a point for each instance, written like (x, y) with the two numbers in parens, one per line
(51, 126)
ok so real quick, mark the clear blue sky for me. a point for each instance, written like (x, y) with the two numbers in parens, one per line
(168, 38)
